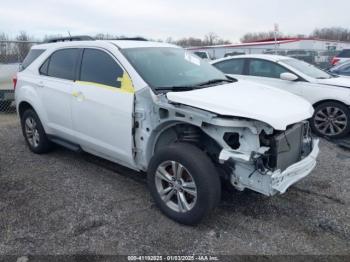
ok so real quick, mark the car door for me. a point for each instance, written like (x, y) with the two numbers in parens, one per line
(102, 107)
(268, 73)
(55, 87)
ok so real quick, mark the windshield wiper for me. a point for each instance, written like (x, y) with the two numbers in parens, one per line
(215, 81)
(174, 88)
(196, 86)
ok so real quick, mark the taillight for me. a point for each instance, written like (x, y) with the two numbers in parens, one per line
(14, 80)
(335, 60)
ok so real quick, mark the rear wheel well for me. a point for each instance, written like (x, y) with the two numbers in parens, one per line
(23, 106)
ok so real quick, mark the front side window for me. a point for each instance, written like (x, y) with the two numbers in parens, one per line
(232, 66)
(62, 64)
(263, 68)
(163, 67)
(99, 67)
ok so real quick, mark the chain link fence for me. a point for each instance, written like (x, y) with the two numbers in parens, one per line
(12, 54)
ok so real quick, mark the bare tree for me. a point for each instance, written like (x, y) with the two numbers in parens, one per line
(4, 45)
(23, 45)
(258, 36)
(211, 38)
(332, 33)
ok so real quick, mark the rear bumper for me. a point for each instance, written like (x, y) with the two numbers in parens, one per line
(280, 182)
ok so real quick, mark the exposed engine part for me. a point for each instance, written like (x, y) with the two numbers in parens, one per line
(232, 139)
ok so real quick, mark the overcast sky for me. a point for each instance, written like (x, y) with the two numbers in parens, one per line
(160, 19)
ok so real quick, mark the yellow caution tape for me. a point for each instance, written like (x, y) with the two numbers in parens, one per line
(126, 85)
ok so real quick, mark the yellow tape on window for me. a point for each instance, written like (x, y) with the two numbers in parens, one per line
(126, 83)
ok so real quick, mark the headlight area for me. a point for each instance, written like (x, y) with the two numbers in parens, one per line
(256, 158)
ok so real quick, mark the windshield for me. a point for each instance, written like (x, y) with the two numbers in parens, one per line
(307, 69)
(169, 67)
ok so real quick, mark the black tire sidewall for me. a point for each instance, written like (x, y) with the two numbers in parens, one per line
(345, 109)
(44, 144)
(203, 172)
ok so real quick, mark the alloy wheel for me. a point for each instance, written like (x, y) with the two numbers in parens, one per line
(31, 131)
(330, 121)
(176, 186)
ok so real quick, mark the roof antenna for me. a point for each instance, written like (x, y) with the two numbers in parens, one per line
(69, 34)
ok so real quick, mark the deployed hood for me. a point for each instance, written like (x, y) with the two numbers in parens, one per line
(249, 100)
(335, 81)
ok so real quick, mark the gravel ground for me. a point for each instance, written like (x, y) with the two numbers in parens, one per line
(69, 203)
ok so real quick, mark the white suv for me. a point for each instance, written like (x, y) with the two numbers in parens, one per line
(155, 107)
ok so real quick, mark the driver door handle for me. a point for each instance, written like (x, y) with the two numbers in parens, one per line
(78, 95)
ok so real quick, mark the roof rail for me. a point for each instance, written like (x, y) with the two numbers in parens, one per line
(132, 38)
(70, 38)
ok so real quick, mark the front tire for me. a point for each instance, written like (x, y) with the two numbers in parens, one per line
(34, 133)
(184, 183)
(331, 119)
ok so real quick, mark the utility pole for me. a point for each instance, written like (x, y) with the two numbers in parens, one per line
(275, 33)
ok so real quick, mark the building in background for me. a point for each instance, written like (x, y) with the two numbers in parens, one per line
(315, 51)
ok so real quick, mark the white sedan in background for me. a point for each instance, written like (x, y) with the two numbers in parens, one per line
(330, 95)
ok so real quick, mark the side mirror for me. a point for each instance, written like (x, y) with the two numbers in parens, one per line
(288, 76)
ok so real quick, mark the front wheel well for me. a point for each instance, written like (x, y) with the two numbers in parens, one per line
(327, 101)
(187, 133)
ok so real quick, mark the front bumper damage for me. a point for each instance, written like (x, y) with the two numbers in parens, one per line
(244, 175)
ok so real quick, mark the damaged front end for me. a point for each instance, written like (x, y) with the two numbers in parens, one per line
(250, 153)
(281, 159)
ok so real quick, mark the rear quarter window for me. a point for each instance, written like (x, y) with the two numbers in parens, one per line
(32, 55)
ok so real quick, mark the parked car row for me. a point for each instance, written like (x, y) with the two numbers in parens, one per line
(329, 94)
(343, 56)
(7, 71)
(158, 108)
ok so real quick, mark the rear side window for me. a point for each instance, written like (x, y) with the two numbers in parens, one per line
(62, 64)
(233, 66)
(99, 67)
(345, 53)
(32, 55)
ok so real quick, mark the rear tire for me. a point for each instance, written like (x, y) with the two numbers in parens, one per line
(331, 119)
(34, 133)
(184, 183)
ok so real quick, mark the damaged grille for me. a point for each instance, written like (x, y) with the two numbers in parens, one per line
(288, 147)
